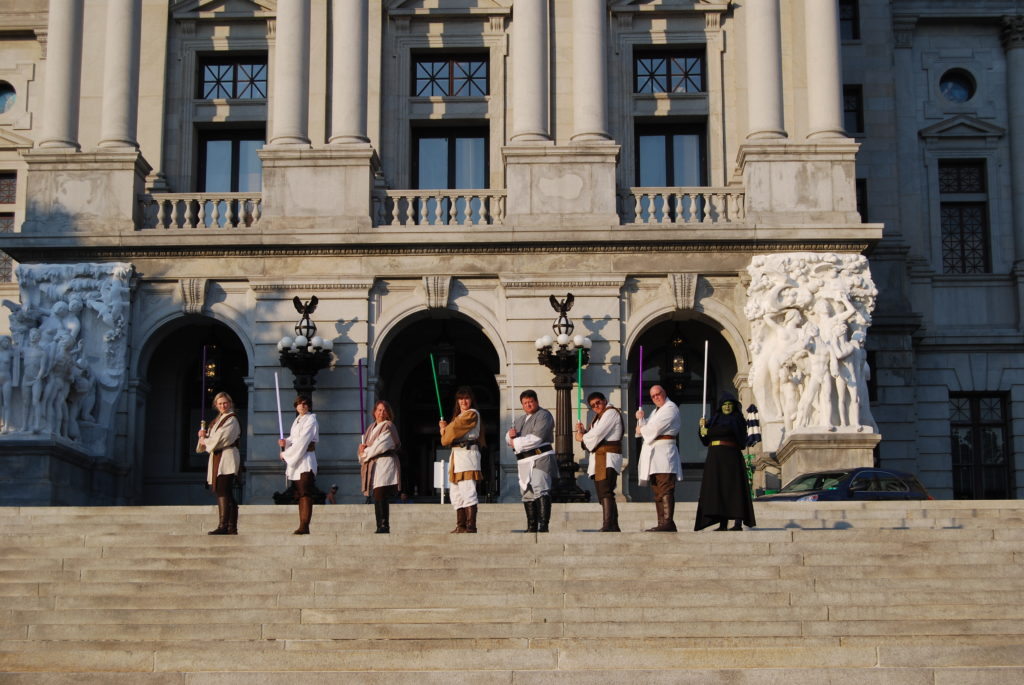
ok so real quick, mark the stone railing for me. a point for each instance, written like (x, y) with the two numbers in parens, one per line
(201, 210)
(439, 207)
(687, 206)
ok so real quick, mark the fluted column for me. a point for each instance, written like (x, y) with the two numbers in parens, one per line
(350, 31)
(764, 71)
(530, 76)
(59, 127)
(824, 73)
(291, 74)
(590, 70)
(1013, 43)
(120, 114)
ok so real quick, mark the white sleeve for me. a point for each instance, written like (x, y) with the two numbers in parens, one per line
(303, 432)
(526, 442)
(381, 444)
(664, 422)
(602, 430)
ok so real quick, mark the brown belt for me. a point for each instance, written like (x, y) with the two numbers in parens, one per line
(311, 447)
(610, 446)
(723, 443)
(664, 437)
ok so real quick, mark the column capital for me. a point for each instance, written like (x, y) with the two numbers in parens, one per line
(903, 31)
(1013, 32)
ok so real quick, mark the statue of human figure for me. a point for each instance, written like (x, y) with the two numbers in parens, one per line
(34, 367)
(54, 323)
(7, 356)
(81, 398)
(851, 371)
(58, 385)
(815, 406)
(791, 378)
(73, 321)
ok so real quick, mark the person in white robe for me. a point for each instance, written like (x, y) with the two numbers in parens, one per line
(659, 462)
(604, 443)
(299, 455)
(532, 437)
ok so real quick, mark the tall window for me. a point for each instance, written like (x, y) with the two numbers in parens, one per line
(668, 71)
(963, 209)
(228, 161)
(450, 75)
(980, 447)
(8, 196)
(849, 20)
(861, 189)
(853, 109)
(233, 77)
(450, 157)
(671, 155)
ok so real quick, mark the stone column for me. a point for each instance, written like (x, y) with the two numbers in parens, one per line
(764, 71)
(824, 74)
(589, 70)
(530, 75)
(350, 41)
(59, 127)
(119, 119)
(291, 75)
(1013, 43)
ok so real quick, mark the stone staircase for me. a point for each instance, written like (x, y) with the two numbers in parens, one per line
(860, 593)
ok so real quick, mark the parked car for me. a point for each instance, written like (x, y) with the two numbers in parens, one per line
(860, 484)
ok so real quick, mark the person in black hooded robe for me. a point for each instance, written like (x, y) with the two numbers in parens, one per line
(724, 490)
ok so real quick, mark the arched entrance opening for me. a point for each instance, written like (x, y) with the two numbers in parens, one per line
(673, 357)
(464, 356)
(173, 473)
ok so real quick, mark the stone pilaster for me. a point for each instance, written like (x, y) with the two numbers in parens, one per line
(1013, 44)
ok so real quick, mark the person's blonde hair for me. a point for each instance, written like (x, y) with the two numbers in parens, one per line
(225, 396)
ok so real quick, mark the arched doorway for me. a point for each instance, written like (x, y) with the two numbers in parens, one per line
(464, 356)
(673, 356)
(173, 473)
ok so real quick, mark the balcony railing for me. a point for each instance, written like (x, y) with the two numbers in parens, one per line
(439, 208)
(686, 206)
(201, 210)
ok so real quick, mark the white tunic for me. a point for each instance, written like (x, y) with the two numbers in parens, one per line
(298, 458)
(607, 427)
(660, 456)
(378, 440)
(468, 458)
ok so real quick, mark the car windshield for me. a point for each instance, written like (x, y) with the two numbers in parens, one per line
(816, 481)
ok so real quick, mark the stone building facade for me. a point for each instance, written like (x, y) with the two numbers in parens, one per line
(434, 170)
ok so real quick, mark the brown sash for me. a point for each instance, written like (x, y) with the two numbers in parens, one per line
(605, 447)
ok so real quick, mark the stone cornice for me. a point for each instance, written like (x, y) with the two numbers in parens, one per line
(78, 253)
(317, 285)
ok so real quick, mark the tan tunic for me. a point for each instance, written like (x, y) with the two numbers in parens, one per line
(465, 463)
(222, 438)
(379, 463)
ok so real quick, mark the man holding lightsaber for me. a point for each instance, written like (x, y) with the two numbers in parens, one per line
(532, 437)
(659, 462)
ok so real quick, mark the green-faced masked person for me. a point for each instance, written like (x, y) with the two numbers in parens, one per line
(725, 490)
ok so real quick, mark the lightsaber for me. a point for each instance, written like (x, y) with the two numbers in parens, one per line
(579, 384)
(704, 404)
(362, 408)
(437, 388)
(640, 379)
(512, 388)
(277, 395)
(202, 393)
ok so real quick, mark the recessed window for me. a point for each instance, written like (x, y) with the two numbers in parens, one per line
(233, 77)
(849, 20)
(228, 161)
(853, 109)
(450, 75)
(450, 157)
(7, 97)
(980, 446)
(668, 71)
(963, 207)
(671, 155)
(8, 188)
(957, 85)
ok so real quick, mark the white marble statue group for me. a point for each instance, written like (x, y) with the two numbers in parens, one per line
(66, 349)
(809, 314)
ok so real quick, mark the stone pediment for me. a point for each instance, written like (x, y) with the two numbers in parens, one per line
(12, 141)
(223, 9)
(447, 7)
(962, 126)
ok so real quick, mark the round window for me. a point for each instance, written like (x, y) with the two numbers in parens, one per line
(957, 85)
(7, 97)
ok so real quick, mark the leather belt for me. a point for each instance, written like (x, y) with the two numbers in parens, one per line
(723, 443)
(610, 446)
(533, 453)
(465, 444)
(664, 437)
(311, 447)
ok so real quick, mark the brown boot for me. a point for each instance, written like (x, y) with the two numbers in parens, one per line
(232, 519)
(222, 510)
(471, 519)
(659, 507)
(670, 511)
(305, 515)
(610, 516)
(460, 521)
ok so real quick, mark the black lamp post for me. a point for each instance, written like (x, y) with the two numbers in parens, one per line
(306, 353)
(564, 355)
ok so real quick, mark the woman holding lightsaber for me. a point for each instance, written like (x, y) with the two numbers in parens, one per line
(299, 456)
(465, 436)
(221, 441)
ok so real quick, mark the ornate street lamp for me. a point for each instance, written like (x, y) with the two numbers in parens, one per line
(564, 356)
(306, 353)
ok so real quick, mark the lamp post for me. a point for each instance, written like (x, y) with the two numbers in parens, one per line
(564, 355)
(306, 353)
